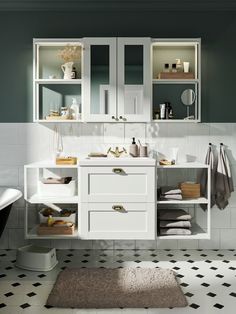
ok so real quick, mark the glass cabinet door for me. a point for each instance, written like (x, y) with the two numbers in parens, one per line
(134, 80)
(100, 79)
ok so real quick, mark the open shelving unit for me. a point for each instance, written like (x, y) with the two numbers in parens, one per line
(32, 174)
(197, 231)
(167, 51)
(51, 91)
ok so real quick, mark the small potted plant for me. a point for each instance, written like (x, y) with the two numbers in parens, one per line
(69, 54)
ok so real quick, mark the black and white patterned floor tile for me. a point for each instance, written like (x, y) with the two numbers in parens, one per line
(207, 277)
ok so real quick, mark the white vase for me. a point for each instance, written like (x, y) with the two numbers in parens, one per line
(67, 70)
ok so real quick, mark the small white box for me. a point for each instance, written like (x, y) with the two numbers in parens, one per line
(44, 219)
(36, 258)
(68, 189)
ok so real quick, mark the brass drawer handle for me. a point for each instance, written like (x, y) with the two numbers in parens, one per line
(118, 208)
(117, 170)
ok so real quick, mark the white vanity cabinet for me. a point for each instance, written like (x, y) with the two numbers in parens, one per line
(117, 199)
(117, 79)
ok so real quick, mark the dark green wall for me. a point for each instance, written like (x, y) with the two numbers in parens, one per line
(217, 30)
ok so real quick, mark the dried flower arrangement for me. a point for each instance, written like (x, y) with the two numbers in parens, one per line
(70, 53)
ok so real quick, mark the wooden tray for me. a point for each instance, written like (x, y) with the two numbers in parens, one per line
(66, 161)
(177, 75)
(44, 229)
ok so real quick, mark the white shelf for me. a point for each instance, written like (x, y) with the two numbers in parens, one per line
(57, 121)
(175, 81)
(197, 233)
(200, 200)
(36, 199)
(191, 165)
(176, 120)
(58, 81)
(32, 234)
(48, 164)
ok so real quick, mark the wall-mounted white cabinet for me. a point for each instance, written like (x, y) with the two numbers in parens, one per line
(58, 82)
(114, 198)
(176, 79)
(117, 79)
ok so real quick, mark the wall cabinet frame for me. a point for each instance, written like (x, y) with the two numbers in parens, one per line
(118, 79)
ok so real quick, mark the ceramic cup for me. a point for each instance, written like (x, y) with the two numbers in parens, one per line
(186, 67)
(143, 151)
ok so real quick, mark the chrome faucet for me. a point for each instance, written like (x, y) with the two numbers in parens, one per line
(116, 153)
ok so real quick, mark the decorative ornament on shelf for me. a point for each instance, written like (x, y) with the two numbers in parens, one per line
(69, 54)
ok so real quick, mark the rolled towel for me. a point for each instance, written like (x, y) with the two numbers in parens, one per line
(175, 224)
(173, 214)
(175, 231)
(166, 190)
(172, 197)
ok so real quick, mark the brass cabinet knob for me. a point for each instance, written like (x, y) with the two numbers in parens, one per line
(113, 117)
(118, 208)
(122, 118)
(117, 170)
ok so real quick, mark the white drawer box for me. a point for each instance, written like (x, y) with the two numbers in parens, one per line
(118, 220)
(122, 183)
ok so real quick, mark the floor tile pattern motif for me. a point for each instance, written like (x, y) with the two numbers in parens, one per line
(207, 277)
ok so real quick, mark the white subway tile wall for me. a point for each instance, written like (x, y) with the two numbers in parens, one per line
(28, 142)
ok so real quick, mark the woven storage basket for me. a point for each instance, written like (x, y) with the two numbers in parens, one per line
(190, 189)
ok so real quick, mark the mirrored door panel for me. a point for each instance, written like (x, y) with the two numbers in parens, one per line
(134, 79)
(100, 79)
(133, 64)
(99, 74)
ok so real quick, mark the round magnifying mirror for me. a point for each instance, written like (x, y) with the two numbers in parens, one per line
(188, 97)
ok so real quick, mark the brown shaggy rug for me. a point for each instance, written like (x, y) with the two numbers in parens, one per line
(118, 287)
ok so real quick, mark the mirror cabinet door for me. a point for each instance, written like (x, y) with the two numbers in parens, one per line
(100, 79)
(134, 79)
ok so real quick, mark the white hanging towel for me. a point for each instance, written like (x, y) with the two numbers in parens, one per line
(224, 181)
(210, 160)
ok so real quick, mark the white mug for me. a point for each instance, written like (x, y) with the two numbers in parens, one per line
(186, 67)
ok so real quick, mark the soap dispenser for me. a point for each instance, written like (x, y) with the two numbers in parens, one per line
(133, 149)
(74, 109)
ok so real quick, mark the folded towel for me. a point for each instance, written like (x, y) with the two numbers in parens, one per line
(166, 190)
(173, 214)
(175, 224)
(175, 231)
(172, 197)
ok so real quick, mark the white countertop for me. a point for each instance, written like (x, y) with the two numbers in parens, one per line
(98, 161)
(112, 161)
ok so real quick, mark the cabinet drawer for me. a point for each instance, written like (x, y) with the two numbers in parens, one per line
(118, 220)
(108, 184)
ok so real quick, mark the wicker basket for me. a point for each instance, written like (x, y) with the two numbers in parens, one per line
(190, 190)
